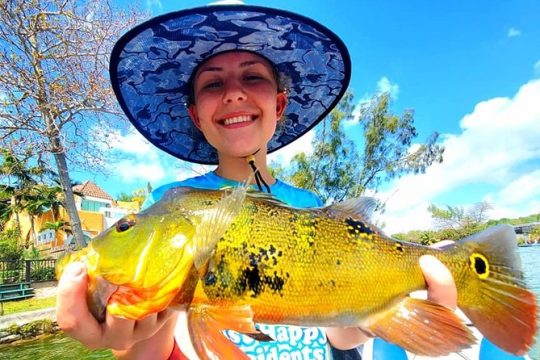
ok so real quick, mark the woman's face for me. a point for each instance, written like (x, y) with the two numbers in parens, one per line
(237, 104)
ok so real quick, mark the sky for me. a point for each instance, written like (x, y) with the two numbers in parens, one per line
(470, 70)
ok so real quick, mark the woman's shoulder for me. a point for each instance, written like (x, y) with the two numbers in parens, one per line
(205, 181)
(295, 196)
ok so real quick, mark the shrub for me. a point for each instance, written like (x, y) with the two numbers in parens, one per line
(32, 329)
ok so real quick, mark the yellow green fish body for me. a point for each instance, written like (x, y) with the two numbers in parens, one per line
(233, 259)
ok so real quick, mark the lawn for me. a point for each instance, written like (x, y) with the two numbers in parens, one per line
(13, 307)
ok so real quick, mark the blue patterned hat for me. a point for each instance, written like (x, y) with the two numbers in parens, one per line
(151, 66)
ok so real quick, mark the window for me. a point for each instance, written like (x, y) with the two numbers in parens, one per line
(92, 205)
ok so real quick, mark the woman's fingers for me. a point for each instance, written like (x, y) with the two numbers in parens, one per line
(72, 312)
(440, 283)
(75, 319)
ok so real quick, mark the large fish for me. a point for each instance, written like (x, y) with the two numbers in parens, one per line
(233, 258)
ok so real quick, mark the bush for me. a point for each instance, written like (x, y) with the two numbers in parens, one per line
(10, 248)
(32, 329)
(43, 274)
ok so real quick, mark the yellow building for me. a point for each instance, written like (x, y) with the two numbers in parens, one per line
(97, 211)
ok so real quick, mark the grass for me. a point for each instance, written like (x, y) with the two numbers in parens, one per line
(13, 307)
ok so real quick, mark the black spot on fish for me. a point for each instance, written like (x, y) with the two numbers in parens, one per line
(252, 280)
(210, 279)
(274, 282)
(272, 249)
(398, 246)
(208, 202)
(355, 227)
(280, 253)
(338, 262)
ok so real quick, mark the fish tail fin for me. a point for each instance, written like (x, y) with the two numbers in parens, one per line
(493, 294)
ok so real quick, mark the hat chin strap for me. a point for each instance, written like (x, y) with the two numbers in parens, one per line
(250, 159)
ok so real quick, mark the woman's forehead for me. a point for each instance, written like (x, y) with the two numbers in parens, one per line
(232, 59)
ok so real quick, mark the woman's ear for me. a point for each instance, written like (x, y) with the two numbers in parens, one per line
(281, 104)
(192, 111)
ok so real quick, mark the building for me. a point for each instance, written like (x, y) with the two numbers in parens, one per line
(97, 212)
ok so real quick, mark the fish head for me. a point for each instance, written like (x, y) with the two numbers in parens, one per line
(142, 250)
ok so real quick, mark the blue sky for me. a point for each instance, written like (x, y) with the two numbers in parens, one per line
(469, 69)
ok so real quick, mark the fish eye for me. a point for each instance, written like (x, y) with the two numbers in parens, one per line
(124, 224)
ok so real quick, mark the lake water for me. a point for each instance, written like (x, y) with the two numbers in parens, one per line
(58, 347)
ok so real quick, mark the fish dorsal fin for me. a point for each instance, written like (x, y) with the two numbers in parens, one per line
(214, 223)
(206, 323)
(360, 207)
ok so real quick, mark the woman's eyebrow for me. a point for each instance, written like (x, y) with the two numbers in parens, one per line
(219, 68)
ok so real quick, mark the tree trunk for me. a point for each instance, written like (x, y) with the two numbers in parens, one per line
(71, 208)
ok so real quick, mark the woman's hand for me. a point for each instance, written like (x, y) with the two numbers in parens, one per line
(441, 288)
(75, 319)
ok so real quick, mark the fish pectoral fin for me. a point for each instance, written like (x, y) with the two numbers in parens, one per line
(421, 327)
(213, 225)
(206, 323)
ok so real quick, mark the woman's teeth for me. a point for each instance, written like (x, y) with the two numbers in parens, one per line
(237, 119)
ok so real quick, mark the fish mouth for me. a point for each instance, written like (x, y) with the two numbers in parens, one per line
(237, 119)
(97, 297)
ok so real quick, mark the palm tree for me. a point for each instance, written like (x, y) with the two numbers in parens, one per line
(19, 180)
(64, 226)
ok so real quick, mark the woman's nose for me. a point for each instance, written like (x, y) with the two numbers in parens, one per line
(233, 92)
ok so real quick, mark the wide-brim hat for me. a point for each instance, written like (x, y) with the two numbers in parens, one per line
(151, 66)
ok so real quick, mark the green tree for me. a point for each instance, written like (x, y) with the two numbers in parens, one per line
(54, 83)
(17, 181)
(337, 170)
(534, 235)
(455, 223)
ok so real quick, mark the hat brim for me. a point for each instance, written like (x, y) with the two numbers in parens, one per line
(151, 65)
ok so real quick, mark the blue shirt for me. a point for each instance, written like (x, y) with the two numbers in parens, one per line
(290, 195)
(291, 342)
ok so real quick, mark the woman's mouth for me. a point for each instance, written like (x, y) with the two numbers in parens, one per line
(237, 120)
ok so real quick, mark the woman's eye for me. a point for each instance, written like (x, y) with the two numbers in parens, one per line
(212, 85)
(253, 77)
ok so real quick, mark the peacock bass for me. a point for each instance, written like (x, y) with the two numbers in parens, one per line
(233, 258)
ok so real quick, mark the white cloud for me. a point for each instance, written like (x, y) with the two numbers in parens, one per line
(521, 196)
(138, 159)
(384, 85)
(303, 144)
(498, 139)
(513, 32)
(133, 171)
(536, 68)
(154, 5)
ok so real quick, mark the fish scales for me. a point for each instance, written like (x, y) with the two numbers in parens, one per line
(277, 272)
